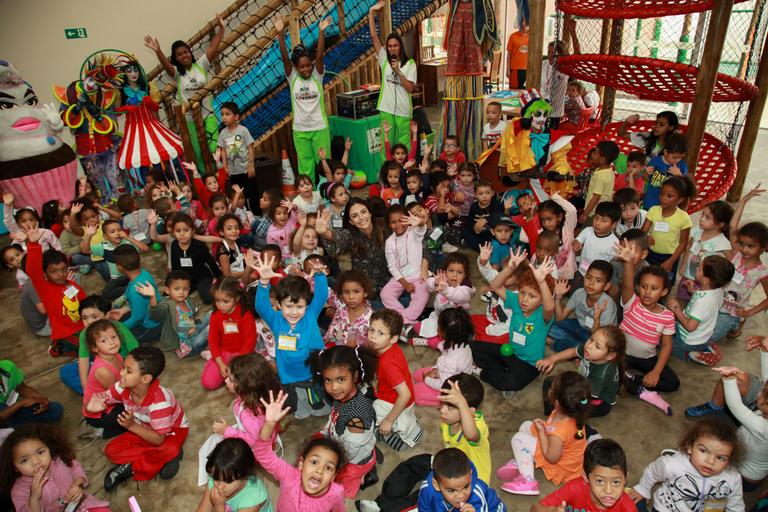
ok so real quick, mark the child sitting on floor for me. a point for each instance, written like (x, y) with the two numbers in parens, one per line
(156, 424)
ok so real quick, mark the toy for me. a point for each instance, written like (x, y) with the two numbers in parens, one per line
(359, 180)
(34, 162)
(146, 141)
(87, 109)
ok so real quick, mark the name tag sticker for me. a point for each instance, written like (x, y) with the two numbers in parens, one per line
(408, 270)
(337, 223)
(518, 338)
(589, 322)
(661, 227)
(140, 237)
(71, 292)
(185, 262)
(231, 328)
(738, 278)
(584, 265)
(287, 342)
(436, 234)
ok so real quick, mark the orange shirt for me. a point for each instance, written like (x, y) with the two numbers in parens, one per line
(517, 48)
(570, 464)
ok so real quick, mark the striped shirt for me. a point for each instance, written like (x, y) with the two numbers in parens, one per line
(159, 411)
(644, 328)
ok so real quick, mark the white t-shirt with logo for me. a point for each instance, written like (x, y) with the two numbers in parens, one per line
(307, 101)
(495, 133)
(393, 98)
(703, 307)
(193, 80)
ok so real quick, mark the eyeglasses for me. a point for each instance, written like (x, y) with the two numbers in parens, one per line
(450, 145)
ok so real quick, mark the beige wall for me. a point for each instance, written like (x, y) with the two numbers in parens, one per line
(32, 33)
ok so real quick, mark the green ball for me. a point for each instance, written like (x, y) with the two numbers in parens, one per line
(506, 350)
(157, 246)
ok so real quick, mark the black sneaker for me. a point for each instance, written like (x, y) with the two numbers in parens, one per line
(172, 467)
(117, 475)
(370, 478)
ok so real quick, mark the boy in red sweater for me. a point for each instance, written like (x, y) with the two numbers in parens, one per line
(60, 295)
(156, 424)
(396, 422)
(452, 154)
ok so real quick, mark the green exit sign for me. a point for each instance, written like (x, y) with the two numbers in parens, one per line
(75, 33)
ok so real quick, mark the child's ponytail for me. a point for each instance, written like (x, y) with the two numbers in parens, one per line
(572, 393)
(233, 288)
(361, 361)
(455, 326)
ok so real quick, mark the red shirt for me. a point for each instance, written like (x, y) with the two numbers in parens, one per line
(234, 333)
(159, 411)
(432, 201)
(393, 371)
(61, 301)
(575, 494)
(203, 193)
(531, 228)
(458, 158)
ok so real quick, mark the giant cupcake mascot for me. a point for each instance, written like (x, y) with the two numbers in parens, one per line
(35, 164)
(87, 108)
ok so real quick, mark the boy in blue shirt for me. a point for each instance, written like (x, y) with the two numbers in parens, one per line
(296, 331)
(669, 163)
(128, 262)
(502, 228)
(453, 485)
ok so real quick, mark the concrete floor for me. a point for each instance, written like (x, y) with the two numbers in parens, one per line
(641, 429)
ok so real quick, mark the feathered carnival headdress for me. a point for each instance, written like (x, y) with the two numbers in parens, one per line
(531, 102)
(105, 70)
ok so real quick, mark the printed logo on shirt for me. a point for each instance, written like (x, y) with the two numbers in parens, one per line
(528, 328)
(656, 178)
(306, 93)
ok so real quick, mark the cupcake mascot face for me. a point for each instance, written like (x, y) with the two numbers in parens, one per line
(26, 130)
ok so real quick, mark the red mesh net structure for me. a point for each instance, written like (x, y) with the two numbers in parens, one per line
(715, 170)
(651, 79)
(634, 8)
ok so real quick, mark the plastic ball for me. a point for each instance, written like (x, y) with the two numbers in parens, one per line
(506, 350)
(358, 180)
(157, 246)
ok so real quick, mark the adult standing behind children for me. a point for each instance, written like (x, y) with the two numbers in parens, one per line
(517, 56)
(305, 80)
(191, 75)
(398, 79)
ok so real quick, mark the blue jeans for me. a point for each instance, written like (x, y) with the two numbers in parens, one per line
(70, 376)
(725, 324)
(680, 349)
(198, 341)
(567, 334)
(27, 415)
(147, 334)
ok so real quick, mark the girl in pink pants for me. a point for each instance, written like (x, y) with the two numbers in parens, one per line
(454, 326)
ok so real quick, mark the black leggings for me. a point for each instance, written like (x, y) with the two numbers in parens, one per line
(397, 492)
(507, 373)
(203, 286)
(108, 422)
(668, 380)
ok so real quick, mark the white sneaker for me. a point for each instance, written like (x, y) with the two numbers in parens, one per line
(367, 506)
(448, 248)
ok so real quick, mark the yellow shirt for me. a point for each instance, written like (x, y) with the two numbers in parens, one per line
(600, 183)
(666, 230)
(96, 239)
(478, 452)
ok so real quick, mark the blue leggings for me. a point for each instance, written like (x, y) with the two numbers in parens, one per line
(27, 415)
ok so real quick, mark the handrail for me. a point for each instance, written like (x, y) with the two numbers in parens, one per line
(211, 25)
(248, 54)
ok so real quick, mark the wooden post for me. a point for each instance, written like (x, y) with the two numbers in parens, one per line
(609, 94)
(340, 12)
(293, 24)
(186, 142)
(535, 43)
(751, 126)
(605, 39)
(706, 79)
(385, 20)
(202, 140)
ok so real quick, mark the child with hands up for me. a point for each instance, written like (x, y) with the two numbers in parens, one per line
(512, 366)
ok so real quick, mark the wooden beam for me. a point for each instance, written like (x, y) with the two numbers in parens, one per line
(614, 48)
(706, 79)
(605, 39)
(751, 126)
(535, 43)
(385, 19)
(293, 24)
(342, 22)
(202, 140)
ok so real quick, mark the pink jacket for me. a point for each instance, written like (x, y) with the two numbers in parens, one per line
(566, 258)
(281, 236)
(452, 297)
(60, 478)
(292, 496)
(451, 362)
(248, 425)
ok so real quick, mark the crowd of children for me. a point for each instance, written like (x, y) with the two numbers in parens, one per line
(290, 332)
